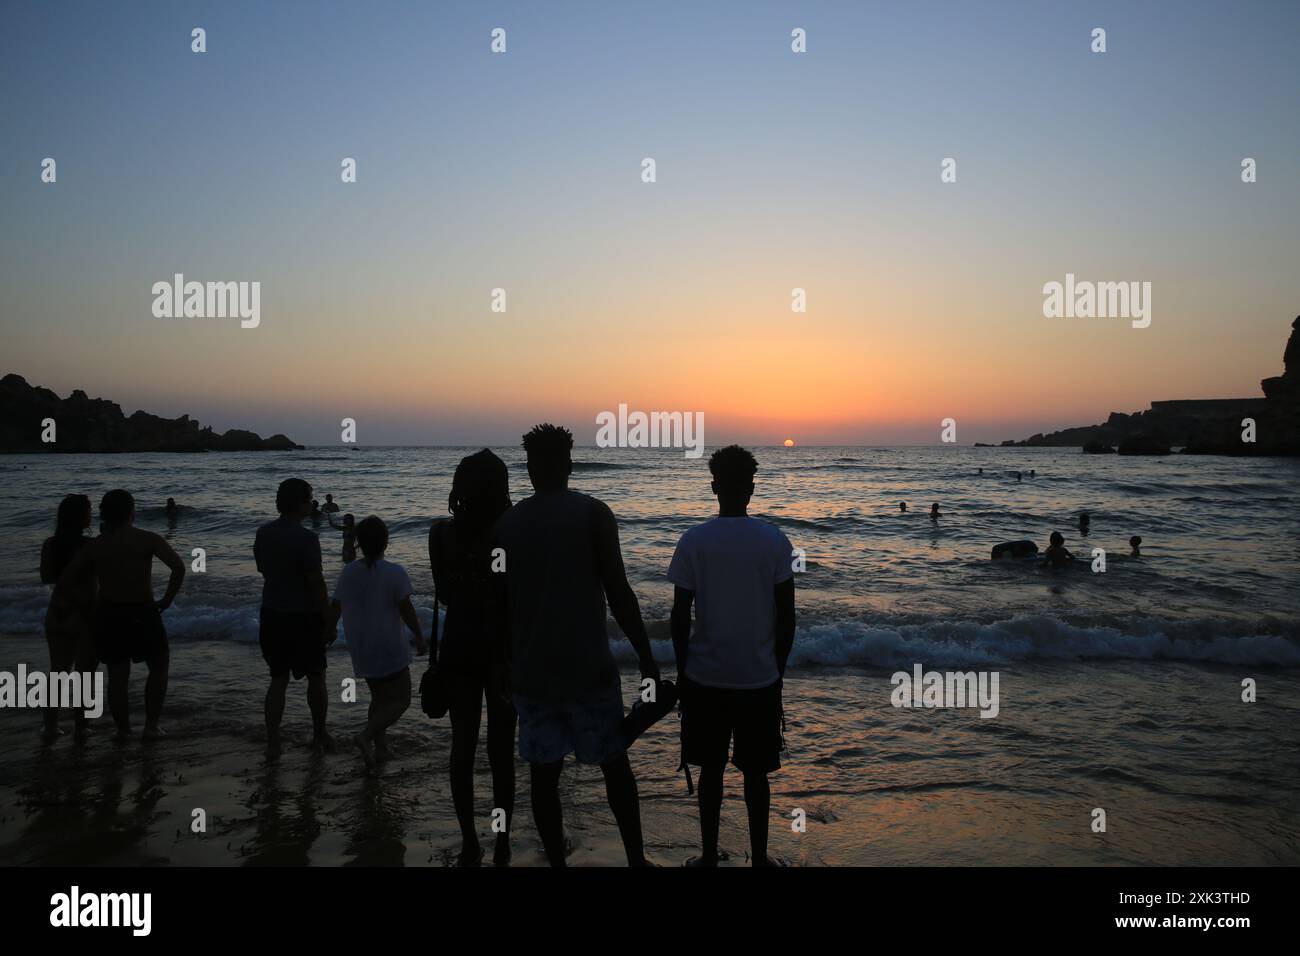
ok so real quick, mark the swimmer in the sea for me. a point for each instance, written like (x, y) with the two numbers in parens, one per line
(934, 511)
(315, 511)
(349, 529)
(902, 506)
(1085, 522)
(1033, 473)
(331, 506)
(1019, 476)
(171, 509)
(1056, 555)
(1135, 543)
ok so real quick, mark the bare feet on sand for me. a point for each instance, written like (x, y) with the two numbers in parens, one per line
(367, 752)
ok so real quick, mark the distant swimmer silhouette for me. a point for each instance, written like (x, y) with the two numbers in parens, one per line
(68, 618)
(315, 511)
(373, 596)
(461, 560)
(564, 680)
(1056, 555)
(330, 506)
(291, 629)
(1019, 476)
(1135, 543)
(1085, 523)
(171, 510)
(934, 512)
(128, 623)
(902, 506)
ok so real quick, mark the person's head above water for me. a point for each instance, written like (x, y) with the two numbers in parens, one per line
(293, 498)
(733, 469)
(1057, 539)
(934, 508)
(902, 506)
(171, 502)
(1135, 543)
(1084, 518)
(549, 460)
(372, 538)
(329, 499)
(117, 508)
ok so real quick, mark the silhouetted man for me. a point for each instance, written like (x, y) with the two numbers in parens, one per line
(737, 572)
(127, 623)
(291, 627)
(562, 563)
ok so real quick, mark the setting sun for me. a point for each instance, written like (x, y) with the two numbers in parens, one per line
(789, 443)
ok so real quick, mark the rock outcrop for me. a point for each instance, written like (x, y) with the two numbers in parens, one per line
(84, 424)
(1200, 426)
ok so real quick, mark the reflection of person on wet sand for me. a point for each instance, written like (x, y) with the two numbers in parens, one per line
(67, 621)
(128, 623)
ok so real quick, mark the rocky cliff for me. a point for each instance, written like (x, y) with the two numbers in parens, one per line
(1200, 426)
(84, 424)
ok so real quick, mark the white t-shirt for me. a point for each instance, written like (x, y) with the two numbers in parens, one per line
(732, 565)
(371, 624)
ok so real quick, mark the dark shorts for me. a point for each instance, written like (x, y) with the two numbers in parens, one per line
(292, 641)
(129, 632)
(712, 716)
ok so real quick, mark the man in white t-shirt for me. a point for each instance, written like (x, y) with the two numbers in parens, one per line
(738, 573)
(374, 598)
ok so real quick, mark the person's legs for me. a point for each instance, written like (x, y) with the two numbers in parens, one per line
(389, 699)
(465, 708)
(274, 707)
(709, 792)
(501, 722)
(119, 672)
(87, 664)
(318, 701)
(155, 689)
(620, 789)
(60, 644)
(758, 801)
(547, 815)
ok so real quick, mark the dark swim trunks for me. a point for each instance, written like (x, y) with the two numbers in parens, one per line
(132, 632)
(292, 641)
(715, 718)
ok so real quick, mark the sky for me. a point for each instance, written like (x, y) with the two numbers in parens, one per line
(523, 171)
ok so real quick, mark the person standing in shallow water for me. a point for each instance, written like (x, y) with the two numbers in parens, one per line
(563, 562)
(461, 561)
(737, 572)
(127, 622)
(67, 621)
(292, 618)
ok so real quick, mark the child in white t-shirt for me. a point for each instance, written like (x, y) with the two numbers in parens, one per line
(374, 598)
(738, 572)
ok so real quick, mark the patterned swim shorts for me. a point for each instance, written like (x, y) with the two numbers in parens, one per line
(590, 727)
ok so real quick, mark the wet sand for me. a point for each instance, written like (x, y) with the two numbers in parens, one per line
(1186, 772)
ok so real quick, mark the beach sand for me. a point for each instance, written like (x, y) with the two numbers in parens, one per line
(1186, 772)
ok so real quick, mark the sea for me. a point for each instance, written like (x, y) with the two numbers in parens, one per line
(1162, 689)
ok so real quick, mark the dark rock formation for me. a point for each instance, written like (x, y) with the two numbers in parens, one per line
(1097, 448)
(1200, 426)
(85, 424)
(1144, 444)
